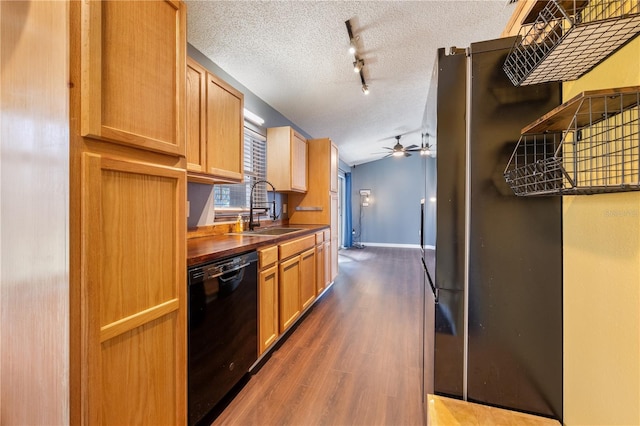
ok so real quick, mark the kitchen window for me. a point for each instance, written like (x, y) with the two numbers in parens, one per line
(231, 199)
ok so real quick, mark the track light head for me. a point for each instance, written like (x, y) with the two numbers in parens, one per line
(357, 65)
(352, 47)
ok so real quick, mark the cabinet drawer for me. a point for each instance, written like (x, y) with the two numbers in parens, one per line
(296, 246)
(267, 256)
(319, 238)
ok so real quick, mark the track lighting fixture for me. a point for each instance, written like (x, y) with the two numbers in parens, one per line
(358, 63)
(352, 47)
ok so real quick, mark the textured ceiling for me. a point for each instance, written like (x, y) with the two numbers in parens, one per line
(293, 55)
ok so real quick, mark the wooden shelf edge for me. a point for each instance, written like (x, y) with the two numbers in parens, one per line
(558, 119)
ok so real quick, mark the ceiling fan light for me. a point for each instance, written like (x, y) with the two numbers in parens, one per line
(398, 153)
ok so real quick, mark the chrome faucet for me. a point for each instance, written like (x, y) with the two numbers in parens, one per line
(252, 224)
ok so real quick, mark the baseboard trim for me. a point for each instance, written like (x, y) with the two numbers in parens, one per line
(393, 245)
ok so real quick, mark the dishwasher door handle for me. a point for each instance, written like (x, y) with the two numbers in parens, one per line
(237, 268)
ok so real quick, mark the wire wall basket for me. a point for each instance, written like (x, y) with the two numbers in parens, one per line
(562, 40)
(588, 145)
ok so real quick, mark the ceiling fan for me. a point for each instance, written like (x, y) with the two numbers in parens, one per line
(426, 149)
(400, 151)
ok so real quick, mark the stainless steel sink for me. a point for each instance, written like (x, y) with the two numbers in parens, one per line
(267, 232)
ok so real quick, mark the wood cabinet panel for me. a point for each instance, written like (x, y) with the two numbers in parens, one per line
(287, 154)
(307, 278)
(328, 278)
(296, 246)
(150, 348)
(320, 269)
(267, 256)
(319, 205)
(133, 71)
(333, 168)
(196, 105)
(334, 236)
(225, 130)
(133, 290)
(313, 207)
(289, 293)
(298, 163)
(268, 307)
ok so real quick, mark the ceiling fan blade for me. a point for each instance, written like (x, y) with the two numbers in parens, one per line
(386, 147)
(406, 154)
(412, 148)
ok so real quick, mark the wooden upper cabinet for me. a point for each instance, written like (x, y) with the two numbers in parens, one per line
(133, 57)
(286, 159)
(225, 130)
(314, 206)
(215, 127)
(196, 105)
(319, 205)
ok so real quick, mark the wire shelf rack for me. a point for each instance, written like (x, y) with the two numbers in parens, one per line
(588, 145)
(562, 40)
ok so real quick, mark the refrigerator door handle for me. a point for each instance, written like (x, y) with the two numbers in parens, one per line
(434, 289)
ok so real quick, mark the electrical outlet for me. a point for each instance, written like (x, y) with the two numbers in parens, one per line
(284, 208)
(188, 207)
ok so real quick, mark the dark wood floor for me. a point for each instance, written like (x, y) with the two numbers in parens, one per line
(355, 359)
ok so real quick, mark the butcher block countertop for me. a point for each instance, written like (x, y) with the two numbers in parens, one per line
(444, 411)
(207, 248)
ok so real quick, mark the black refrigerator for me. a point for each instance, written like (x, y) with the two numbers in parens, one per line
(496, 303)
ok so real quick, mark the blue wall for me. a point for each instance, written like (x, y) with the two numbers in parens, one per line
(397, 185)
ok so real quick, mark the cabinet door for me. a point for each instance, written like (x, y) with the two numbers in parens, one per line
(327, 264)
(196, 117)
(307, 278)
(133, 73)
(320, 271)
(225, 130)
(289, 292)
(334, 236)
(133, 292)
(268, 306)
(333, 168)
(298, 163)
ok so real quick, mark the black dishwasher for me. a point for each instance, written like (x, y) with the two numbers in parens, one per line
(222, 329)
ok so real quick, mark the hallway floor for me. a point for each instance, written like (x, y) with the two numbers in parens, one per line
(356, 357)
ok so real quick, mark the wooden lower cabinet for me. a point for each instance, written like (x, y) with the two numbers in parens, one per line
(268, 306)
(288, 287)
(307, 278)
(133, 291)
(289, 292)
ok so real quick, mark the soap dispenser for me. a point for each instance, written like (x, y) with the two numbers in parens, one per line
(239, 224)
